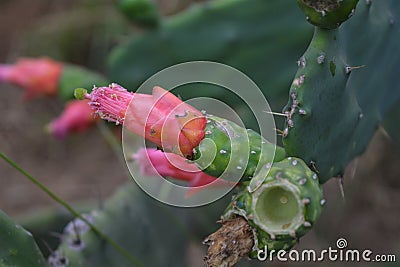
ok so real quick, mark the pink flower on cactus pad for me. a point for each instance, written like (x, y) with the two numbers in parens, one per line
(153, 162)
(76, 117)
(37, 76)
(161, 118)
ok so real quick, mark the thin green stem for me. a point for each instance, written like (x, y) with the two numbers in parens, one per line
(125, 253)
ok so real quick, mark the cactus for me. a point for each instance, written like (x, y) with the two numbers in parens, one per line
(133, 220)
(236, 149)
(334, 106)
(17, 246)
(279, 212)
(327, 14)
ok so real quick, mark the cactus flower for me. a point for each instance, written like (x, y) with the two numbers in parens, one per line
(76, 117)
(37, 76)
(153, 162)
(161, 118)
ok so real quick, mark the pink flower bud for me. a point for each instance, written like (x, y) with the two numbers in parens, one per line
(39, 77)
(76, 117)
(161, 118)
(153, 162)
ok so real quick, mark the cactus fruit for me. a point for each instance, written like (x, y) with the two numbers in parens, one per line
(233, 150)
(76, 117)
(327, 14)
(17, 246)
(282, 209)
(334, 105)
(134, 221)
(161, 118)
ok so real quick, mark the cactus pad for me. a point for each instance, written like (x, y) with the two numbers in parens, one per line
(17, 246)
(336, 100)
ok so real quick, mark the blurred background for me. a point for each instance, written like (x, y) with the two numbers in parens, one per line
(86, 168)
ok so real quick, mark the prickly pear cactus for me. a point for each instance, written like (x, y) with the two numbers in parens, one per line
(133, 220)
(338, 96)
(228, 149)
(17, 246)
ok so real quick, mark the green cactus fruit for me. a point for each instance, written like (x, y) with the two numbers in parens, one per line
(229, 150)
(141, 12)
(334, 106)
(147, 229)
(327, 14)
(75, 76)
(283, 208)
(17, 246)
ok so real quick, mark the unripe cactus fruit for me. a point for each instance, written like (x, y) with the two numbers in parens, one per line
(229, 149)
(327, 14)
(283, 208)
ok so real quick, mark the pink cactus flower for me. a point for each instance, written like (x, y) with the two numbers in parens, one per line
(76, 117)
(39, 77)
(161, 118)
(153, 162)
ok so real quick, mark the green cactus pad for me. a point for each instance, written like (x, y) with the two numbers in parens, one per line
(229, 150)
(335, 105)
(327, 14)
(283, 208)
(75, 76)
(17, 246)
(136, 222)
